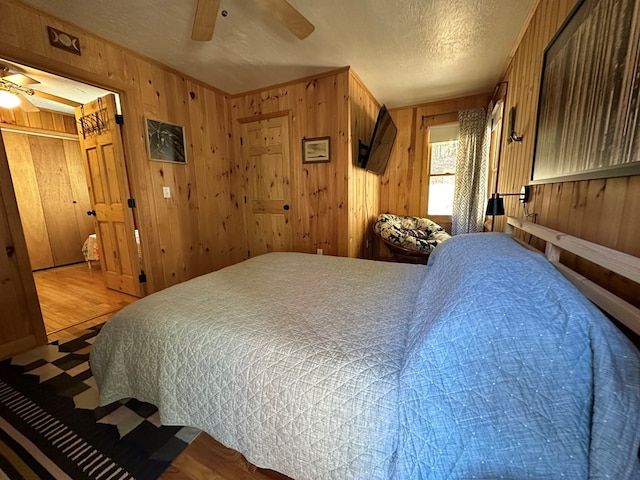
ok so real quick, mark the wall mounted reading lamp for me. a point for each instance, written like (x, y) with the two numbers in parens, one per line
(495, 205)
(513, 136)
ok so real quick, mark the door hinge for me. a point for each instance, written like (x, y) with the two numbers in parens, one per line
(142, 278)
(131, 202)
(119, 119)
(245, 199)
(241, 141)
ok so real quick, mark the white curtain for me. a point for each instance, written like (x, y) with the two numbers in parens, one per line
(470, 191)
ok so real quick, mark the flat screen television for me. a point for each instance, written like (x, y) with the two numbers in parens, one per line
(375, 156)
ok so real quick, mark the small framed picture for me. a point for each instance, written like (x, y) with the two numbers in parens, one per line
(316, 150)
(165, 141)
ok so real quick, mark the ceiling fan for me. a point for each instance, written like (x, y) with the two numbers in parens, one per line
(14, 83)
(207, 14)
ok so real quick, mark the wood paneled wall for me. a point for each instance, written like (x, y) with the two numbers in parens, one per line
(604, 210)
(404, 186)
(201, 227)
(196, 230)
(523, 77)
(317, 107)
(364, 187)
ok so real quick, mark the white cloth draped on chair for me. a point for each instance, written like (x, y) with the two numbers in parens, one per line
(470, 191)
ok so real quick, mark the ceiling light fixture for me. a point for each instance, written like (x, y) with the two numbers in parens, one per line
(8, 99)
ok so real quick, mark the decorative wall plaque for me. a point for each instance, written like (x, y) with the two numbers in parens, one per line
(63, 40)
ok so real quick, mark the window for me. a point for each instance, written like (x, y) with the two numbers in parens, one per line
(443, 149)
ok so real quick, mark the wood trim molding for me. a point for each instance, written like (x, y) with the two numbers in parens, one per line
(40, 62)
(9, 127)
(330, 73)
(264, 116)
(450, 105)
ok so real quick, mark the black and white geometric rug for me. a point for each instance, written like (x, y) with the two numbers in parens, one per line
(51, 425)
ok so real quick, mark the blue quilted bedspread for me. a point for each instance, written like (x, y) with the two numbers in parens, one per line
(511, 373)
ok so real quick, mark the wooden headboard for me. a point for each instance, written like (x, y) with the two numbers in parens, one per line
(621, 263)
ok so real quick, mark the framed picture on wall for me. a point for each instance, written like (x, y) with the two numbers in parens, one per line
(316, 150)
(165, 141)
(588, 108)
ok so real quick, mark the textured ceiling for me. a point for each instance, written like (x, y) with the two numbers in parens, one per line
(405, 51)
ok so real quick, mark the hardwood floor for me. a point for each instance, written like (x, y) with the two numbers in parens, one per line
(73, 298)
(76, 295)
(207, 459)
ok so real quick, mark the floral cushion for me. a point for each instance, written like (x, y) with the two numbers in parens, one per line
(417, 234)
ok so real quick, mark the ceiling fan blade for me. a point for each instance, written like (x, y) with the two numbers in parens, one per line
(205, 20)
(18, 79)
(26, 105)
(295, 22)
(55, 98)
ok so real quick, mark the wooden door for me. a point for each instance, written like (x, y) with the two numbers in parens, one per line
(265, 152)
(103, 155)
(21, 325)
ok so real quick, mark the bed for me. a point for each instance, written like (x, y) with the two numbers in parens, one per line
(485, 363)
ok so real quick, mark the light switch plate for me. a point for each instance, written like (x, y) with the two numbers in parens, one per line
(166, 192)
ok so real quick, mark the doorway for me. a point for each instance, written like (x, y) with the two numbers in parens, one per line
(45, 160)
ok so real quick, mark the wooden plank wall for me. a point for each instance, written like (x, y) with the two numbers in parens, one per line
(364, 187)
(197, 229)
(404, 189)
(317, 108)
(603, 210)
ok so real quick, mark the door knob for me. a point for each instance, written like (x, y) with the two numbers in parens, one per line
(91, 212)
(286, 207)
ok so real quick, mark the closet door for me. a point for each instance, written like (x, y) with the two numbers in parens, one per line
(80, 204)
(57, 200)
